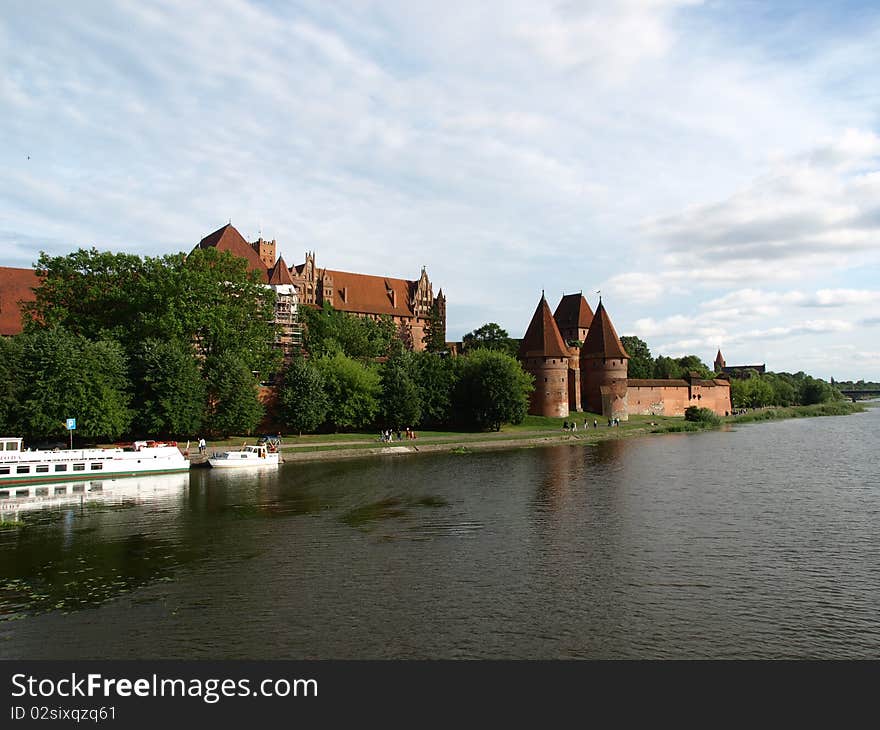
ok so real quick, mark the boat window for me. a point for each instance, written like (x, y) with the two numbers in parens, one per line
(79, 467)
(79, 487)
(60, 467)
(97, 466)
(21, 492)
(4, 493)
(42, 468)
(42, 491)
(22, 470)
(60, 490)
(4, 469)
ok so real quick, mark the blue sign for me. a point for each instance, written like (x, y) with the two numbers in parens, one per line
(71, 424)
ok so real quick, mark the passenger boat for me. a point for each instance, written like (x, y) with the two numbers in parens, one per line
(20, 467)
(245, 457)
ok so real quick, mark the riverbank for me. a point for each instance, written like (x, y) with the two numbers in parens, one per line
(535, 431)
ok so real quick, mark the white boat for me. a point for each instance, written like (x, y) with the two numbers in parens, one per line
(22, 471)
(245, 457)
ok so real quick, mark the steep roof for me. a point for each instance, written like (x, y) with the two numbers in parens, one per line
(229, 239)
(279, 273)
(16, 286)
(542, 338)
(572, 312)
(365, 293)
(602, 339)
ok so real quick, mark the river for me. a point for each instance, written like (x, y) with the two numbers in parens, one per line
(759, 542)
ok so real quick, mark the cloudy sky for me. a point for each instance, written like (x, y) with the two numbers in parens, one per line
(713, 168)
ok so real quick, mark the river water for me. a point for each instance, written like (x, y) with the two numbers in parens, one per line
(757, 542)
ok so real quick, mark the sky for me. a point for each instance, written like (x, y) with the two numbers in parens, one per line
(713, 168)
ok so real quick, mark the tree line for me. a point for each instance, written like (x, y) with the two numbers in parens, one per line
(177, 345)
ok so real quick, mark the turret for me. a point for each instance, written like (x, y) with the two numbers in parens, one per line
(604, 369)
(719, 362)
(544, 355)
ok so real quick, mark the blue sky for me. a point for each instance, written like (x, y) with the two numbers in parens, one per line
(713, 168)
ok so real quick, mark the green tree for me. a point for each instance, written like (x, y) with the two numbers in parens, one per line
(70, 377)
(490, 337)
(435, 377)
(693, 364)
(329, 331)
(666, 367)
(234, 405)
(302, 400)
(641, 363)
(169, 389)
(10, 377)
(353, 389)
(435, 331)
(401, 405)
(492, 389)
(207, 297)
(814, 390)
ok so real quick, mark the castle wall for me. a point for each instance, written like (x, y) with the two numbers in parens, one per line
(673, 399)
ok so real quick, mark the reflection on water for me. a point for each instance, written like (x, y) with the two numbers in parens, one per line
(758, 542)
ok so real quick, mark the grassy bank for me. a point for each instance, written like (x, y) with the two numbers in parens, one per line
(533, 431)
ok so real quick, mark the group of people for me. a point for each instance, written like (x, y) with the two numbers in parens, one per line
(572, 425)
(388, 435)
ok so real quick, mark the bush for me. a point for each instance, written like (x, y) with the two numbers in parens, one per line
(701, 415)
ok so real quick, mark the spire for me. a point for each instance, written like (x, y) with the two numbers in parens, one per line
(602, 339)
(573, 311)
(279, 273)
(542, 338)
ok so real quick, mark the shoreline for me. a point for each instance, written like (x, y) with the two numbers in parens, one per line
(339, 451)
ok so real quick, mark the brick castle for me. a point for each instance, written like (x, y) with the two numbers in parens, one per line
(580, 364)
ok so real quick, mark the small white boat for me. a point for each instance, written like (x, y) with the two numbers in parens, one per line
(245, 457)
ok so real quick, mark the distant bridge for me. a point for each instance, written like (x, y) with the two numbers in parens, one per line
(861, 394)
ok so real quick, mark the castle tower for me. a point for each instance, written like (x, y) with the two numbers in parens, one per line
(719, 362)
(265, 250)
(573, 317)
(603, 362)
(545, 356)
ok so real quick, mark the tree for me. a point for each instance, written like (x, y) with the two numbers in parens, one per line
(815, 391)
(329, 331)
(353, 390)
(169, 389)
(693, 364)
(435, 378)
(70, 377)
(302, 400)
(435, 331)
(666, 367)
(234, 406)
(10, 377)
(206, 297)
(492, 389)
(400, 396)
(641, 363)
(490, 337)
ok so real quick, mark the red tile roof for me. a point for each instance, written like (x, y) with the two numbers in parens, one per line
(602, 339)
(369, 294)
(229, 239)
(542, 338)
(572, 312)
(16, 286)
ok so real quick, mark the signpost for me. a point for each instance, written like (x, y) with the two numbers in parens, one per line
(71, 427)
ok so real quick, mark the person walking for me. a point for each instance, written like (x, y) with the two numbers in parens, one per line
(203, 446)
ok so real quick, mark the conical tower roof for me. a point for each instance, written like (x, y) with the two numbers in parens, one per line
(542, 338)
(280, 274)
(602, 339)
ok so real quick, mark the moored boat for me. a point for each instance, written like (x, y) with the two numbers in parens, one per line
(28, 466)
(245, 457)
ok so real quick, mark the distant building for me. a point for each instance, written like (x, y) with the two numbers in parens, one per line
(408, 303)
(16, 288)
(740, 372)
(579, 363)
